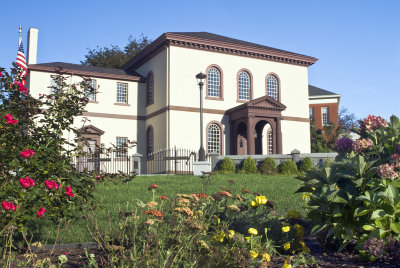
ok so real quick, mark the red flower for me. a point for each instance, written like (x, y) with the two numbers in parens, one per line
(10, 120)
(27, 182)
(98, 176)
(163, 197)
(225, 193)
(154, 212)
(201, 195)
(246, 191)
(40, 212)
(153, 186)
(51, 184)
(22, 88)
(68, 191)
(27, 153)
(8, 205)
(1, 74)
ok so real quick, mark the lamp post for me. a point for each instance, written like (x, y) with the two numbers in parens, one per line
(200, 81)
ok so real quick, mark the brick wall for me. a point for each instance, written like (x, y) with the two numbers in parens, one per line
(333, 113)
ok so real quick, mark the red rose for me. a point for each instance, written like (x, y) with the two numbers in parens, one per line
(68, 191)
(40, 212)
(27, 153)
(27, 182)
(22, 88)
(8, 205)
(51, 184)
(10, 120)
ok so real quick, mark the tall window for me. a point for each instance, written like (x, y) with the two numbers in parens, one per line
(325, 115)
(272, 87)
(149, 140)
(270, 142)
(91, 91)
(214, 83)
(312, 114)
(122, 146)
(150, 89)
(122, 93)
(244, 86)
(214, 139)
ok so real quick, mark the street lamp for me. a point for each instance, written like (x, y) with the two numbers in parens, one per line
(200, 81)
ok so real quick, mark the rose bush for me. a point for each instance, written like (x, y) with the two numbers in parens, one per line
(356, 198)
(37, 177)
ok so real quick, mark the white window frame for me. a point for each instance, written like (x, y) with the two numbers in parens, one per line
(120, 141)
(214, 138)
(92, 95)
(54, 87)
(272, 87)
(270, 142)
(311, 112)
(244, 87)
(325, 115)
(214, 83)
(122, 92)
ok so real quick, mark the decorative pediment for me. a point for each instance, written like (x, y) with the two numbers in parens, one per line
(266, 103)
(91, 130)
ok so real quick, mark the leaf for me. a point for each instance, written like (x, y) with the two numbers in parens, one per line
(360, 212)
(340, 200)
(317, 228)
(379, 213)
(395, 226)
(392, 193)
(394, 121)
(368, 227)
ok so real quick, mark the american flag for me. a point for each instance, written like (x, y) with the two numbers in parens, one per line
(21, 62)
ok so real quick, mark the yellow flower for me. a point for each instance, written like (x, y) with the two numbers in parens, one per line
(253, 231)
(337, 187)
(253, 204)
(313, 188)
(299, 230)
(261, 200)
(286, 246)
(253, 254)
(286, 265)
(247, 238)
(301, 242)
(231, 233)
(266, 257)
(286, 229)
(220, 237)
(304, 196)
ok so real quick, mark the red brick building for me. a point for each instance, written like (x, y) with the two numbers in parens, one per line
(323, 105)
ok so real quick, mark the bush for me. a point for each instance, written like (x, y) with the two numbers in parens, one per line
(268, 167)
(288, 167)
(356, 197)
(306, 164)
(227, 166)
(249, 166)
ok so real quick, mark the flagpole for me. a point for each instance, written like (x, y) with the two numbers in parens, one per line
(19, 39)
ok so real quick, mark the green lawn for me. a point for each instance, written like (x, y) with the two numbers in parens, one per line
(114, 197)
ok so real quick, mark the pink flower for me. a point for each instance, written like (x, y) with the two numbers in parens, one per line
(10, 120)
(27, 153)
(8, 205)
(1, 74)
(344, 144)
(373, 122)
(40, 212)
(68, 191)
(51, 184)
(386, 171)
(395, 160)
(98, 176)
(362, 145)
(22, 88)
(27, 182)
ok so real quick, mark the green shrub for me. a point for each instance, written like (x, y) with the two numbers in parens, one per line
(288, 167)
(306, 164)
(227, 166)
(268, 167)
(249, 166)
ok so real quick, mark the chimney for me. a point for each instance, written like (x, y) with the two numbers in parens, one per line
(32, 45)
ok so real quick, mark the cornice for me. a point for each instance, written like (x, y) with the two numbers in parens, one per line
(174, 39)
(85, 73)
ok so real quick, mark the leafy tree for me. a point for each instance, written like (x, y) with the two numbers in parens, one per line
(114, 56)
(347, 121)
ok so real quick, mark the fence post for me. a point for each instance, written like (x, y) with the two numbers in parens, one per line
(214, 159)
(295, 155)
(137, 162)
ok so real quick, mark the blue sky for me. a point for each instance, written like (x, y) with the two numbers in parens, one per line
(357, 42)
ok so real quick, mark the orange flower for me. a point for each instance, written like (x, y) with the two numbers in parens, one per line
(153, 186)
(163, 197)
(246, 191)
(202, 195)
(225, 193)
(155, 213)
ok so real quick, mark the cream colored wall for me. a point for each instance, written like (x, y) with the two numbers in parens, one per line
(322, 101)
(39, 83)
(186, 63)
(159, 129)
(295, 135)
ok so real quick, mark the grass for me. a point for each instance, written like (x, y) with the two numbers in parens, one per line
(114, 197)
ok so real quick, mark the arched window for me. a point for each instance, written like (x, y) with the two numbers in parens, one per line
(150, 89)
(213, 83)
(149, 140)
(214, 138)
(244, 86)
(272, 87)
(270, 142)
